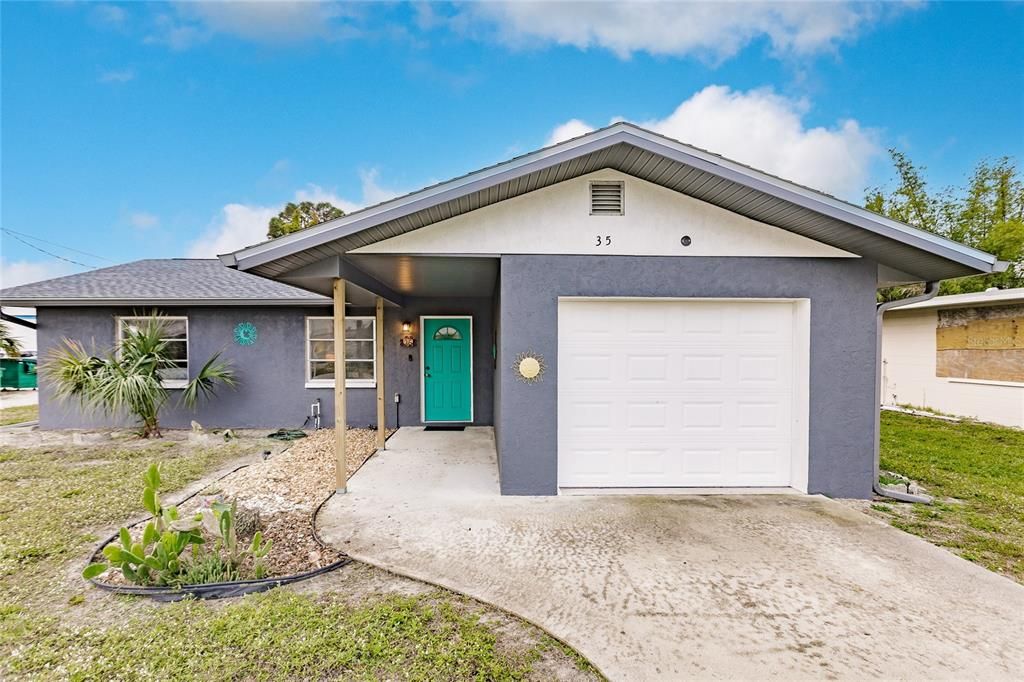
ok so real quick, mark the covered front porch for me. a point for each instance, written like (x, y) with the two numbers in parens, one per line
(415, 306)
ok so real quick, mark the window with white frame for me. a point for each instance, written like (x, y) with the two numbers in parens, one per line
(360, 352)
(175, 335)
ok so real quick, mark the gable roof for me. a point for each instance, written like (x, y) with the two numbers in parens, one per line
(649, 156)
(177, 281)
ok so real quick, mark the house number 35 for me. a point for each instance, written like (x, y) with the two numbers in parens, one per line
(604, 241)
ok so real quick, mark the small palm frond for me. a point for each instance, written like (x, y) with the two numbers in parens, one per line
(204, 384)
(120, 389)
(8, 344)
(71, 369)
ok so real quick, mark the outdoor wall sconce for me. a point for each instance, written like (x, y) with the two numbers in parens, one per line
(408, 340)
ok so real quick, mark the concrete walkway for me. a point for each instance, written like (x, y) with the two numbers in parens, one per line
(17, 398)
(650, 587)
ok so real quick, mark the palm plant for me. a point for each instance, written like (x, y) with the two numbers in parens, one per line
(8, 343)
(130, 378)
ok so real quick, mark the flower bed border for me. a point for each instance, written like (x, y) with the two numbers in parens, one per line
(222, 590)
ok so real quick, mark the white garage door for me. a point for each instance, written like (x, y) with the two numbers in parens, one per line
(681, 393)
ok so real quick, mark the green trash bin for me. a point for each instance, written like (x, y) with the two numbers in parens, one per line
(18, 373)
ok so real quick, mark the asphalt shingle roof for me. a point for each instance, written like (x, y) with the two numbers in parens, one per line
(158, 279)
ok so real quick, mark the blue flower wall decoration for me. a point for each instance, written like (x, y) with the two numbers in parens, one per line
(245, 333)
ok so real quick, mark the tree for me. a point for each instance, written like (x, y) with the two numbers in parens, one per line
(8, 344)
(987, 214)
(299, 216)
(129, 378)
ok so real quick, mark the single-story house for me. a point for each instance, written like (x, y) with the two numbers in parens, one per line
(960, 355)
(627, 312)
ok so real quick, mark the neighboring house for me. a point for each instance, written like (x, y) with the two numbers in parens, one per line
(627, 311)
(24, 331)
(961, 355)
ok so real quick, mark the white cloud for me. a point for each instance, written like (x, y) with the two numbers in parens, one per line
(766, 131)
(568, 130)
(109, 14)
(709, 29)
(273, 21)
(117, 76)
(13, 273)
(240, 225)
(143, 220)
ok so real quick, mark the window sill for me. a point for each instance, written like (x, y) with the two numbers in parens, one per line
(174, 384)
(986, 382)
(352, 383)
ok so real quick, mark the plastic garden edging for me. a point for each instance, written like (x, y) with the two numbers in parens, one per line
(235, 588)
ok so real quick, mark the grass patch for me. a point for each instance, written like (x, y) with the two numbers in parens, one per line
(53, 501)
(19, 414)
(976, 473)
(276, 635)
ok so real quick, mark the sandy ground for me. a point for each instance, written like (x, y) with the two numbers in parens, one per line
(17, 398)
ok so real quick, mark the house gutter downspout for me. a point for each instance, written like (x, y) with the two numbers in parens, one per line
(930, 290)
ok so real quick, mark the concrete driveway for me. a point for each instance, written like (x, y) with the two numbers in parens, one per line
(652, 587)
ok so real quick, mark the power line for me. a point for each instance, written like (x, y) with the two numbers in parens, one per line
(66, 248)
(48, 253)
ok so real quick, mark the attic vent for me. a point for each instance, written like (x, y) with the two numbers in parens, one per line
(606, 198)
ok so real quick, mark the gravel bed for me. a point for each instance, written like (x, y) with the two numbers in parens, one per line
(285, 489)
(281, 492)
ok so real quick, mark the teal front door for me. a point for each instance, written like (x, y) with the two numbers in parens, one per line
(447, 369)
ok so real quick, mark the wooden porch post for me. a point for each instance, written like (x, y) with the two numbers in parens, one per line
(381, 421)
(340, 420)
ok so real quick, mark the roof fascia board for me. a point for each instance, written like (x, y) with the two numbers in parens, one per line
(177, 302)
(259, 254)
(818, 202)
(338, 267)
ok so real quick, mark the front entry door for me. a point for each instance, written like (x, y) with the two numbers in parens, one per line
(447, 369)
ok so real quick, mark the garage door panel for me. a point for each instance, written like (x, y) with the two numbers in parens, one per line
(675, 393)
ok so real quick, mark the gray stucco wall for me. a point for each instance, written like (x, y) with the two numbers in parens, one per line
(272, 390)
(842, 294)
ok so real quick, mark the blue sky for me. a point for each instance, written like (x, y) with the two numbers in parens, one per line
(157, 130)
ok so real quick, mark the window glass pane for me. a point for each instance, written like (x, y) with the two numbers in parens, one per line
(321, 350)
(174, 329)
(174, 373)
(359, 350)
(447, 334)
(321, 370)
(355, 369)
(130, 325)
(321, 329)
(358, 329)
(177, 350)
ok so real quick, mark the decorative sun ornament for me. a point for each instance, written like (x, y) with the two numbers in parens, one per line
(245, 333)
(529, 367)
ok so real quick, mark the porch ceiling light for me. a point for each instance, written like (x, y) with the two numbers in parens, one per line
(408, 340)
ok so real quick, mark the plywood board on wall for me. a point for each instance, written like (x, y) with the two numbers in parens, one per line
(991, 365)
(981, 343)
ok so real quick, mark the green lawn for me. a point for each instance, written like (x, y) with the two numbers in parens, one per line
(16, 415)
(976, 474)
(53, 625)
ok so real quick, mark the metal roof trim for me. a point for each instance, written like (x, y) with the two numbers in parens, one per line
(618, 133)
(176, 302)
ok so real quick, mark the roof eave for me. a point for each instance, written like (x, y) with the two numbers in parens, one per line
(165, 302)
(259, 254)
